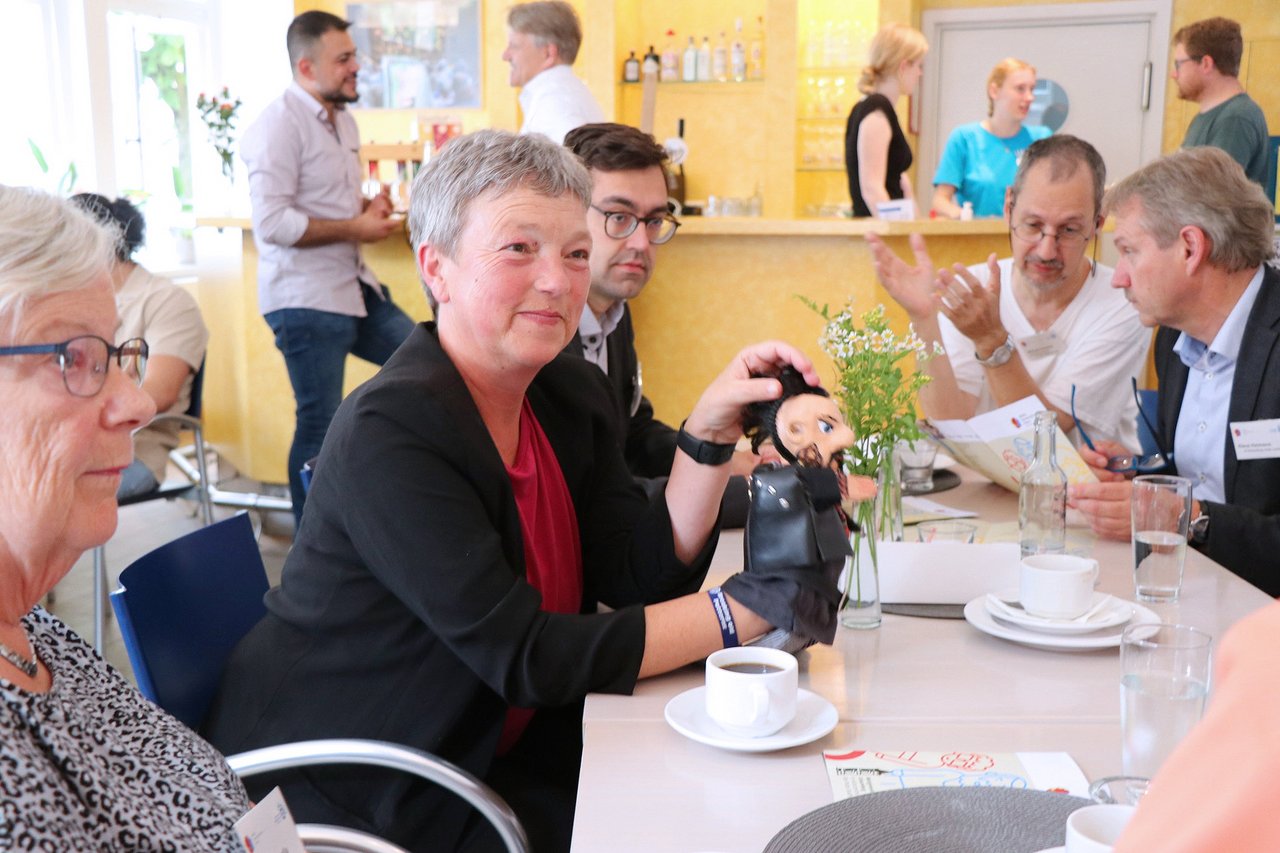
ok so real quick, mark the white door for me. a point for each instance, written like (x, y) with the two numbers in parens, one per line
(1108, 59)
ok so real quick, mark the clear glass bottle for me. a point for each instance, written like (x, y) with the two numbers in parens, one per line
(704, 61)
(670, 60)
(1042, 499)
(720, 60)
(737, 54)
(689, 63)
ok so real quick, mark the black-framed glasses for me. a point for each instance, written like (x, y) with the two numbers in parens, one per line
(619, 224)
(1148, 464)
(85, 359)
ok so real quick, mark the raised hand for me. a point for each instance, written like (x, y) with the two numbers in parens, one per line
(912, 287)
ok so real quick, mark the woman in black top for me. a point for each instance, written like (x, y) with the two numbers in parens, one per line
(876, 153)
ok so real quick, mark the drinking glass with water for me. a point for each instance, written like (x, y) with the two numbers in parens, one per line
(1161, 511)
(1165, 679)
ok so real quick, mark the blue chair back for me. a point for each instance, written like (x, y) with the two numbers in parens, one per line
(1147, 399)
(183, 607)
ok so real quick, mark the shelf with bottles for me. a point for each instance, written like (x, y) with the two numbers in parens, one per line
(700, 85)
(737, 55)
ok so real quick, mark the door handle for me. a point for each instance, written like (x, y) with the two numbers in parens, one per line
(1146, 87)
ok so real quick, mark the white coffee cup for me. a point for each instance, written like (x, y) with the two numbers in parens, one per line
(1095, 829)
(1057, 586)
(751, 692)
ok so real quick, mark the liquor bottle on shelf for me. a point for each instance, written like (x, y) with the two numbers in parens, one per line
(738, 54)
(631, 69)
(704, 61)
(689, 63)
(675, 171)
(755, 53)
(652, 62)
(720, 60)
(670, 60)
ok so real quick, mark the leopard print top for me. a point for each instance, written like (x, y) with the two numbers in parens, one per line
(93, 766)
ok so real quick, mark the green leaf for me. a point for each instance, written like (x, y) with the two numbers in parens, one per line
(39, 155)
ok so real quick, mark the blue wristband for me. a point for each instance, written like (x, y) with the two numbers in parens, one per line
(728, 631)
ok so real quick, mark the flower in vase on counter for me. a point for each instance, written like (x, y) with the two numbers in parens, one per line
(219, 116)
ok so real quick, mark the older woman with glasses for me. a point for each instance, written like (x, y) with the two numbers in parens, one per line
(470, 509)
(86, 763)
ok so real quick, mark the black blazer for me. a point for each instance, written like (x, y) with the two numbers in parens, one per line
(650, 444)
(403, 613)
(1244, 532)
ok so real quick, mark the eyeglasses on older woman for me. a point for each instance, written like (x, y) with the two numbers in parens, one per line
(84, 360)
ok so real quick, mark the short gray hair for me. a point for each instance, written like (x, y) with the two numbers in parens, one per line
(549, 22)
(47, 246)
(482, 161)
(1202, 187)
(1064, 154)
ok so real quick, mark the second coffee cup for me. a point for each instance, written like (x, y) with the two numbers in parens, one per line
(751, 692)
(1057, 586)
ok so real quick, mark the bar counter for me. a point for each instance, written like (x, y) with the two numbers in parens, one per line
(720, 284)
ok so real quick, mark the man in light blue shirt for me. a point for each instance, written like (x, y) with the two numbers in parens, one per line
(309, 219)
(1194, 235)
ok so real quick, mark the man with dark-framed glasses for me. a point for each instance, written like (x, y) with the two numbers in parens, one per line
(1040, 322)
(1194, 236)
(628, 219)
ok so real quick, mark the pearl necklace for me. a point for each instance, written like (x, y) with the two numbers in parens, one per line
(28, 667)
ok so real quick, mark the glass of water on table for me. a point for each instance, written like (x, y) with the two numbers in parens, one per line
(1161, 511)
(1164, 681)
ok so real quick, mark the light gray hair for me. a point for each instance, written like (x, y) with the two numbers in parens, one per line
(1205, 188)
(484, 161)
(549, 22)
(47, 246)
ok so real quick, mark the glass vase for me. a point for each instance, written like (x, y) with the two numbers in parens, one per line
(879, 520)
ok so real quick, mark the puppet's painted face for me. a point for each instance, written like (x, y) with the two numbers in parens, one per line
(812, 428)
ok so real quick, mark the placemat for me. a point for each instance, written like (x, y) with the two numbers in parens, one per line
(943, 479)
(928, 611)
(933, 820)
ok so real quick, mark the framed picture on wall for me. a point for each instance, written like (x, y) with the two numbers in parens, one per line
(417, 54)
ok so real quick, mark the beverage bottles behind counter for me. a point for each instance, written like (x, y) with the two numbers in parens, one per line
(652, 62)
(755, 53)
(689, 62)
(704, 61)
(720, 60)
(670, 60)
(737, 54)
(631, 69)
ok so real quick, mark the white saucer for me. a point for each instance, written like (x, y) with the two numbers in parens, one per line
(815, 718)
(1116, 612)
(975, 613)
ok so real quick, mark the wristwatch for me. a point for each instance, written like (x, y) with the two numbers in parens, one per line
(1000, 355)
(703, 452)
(1198, 532)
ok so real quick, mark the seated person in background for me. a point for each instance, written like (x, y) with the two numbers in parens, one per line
(1218, 786)
(1194, 237)
(86, 763)
(980, 159)
(168, 318)
(628, 219)
(1038, 323)
(470, 508)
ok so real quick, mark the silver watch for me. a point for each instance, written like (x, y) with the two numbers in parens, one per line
(1000, 355)
(1198, 532)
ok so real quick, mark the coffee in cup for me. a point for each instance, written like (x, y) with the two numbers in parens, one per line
(751, 692)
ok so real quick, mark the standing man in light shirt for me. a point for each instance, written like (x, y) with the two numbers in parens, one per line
(1206, 65)
(309, 219)
(1043, 322)
(1194, 237)
(542, 42)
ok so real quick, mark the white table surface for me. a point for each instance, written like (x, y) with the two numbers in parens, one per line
(914, 683)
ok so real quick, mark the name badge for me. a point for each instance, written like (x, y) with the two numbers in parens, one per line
(269, 828)
(1040, 345)
(1256, 439)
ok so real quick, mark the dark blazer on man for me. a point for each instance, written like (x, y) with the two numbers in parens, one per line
(1244, 532)
(650, 447)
